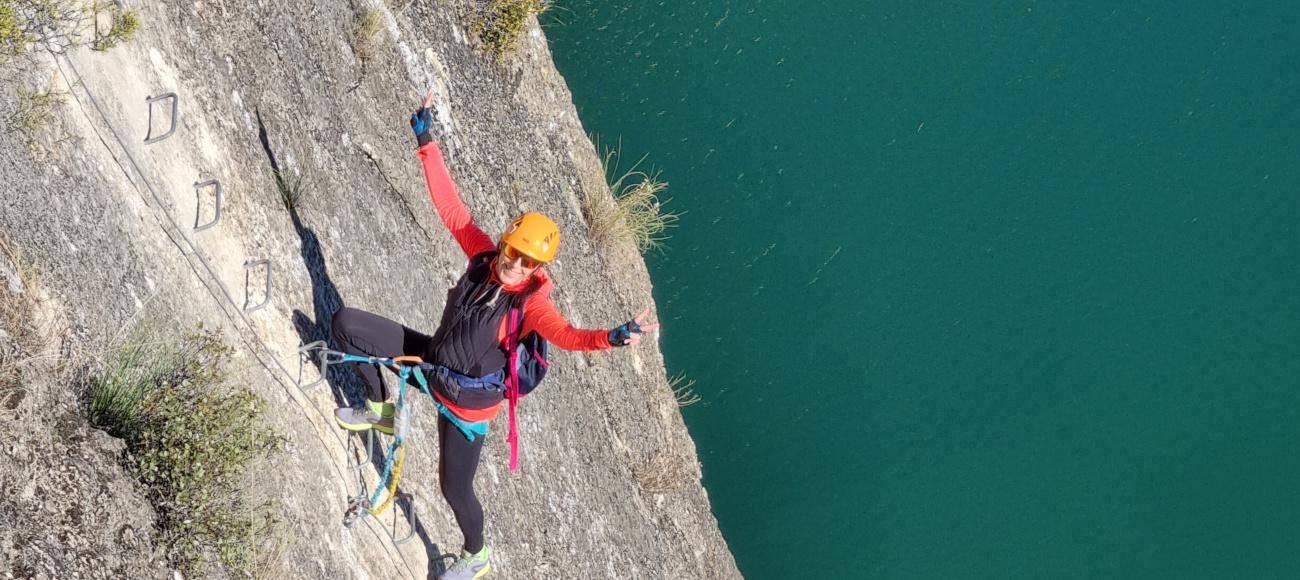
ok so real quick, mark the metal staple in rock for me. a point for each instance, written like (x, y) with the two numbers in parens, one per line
(172, 230)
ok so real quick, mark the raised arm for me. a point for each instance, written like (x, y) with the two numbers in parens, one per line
(442, 189)
(453, 212)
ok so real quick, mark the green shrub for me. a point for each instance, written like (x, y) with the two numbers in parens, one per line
(13, 39)
(54, 25)
(35, 109)
(191, 438)
(57, 25)
(504, 22)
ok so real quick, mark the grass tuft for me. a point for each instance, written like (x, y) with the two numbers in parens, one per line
(144, 361)
(683, 390)
(122, 28)
(366, 34)
(503, 22)
(191, 437)
(635, 213)
(290, 188)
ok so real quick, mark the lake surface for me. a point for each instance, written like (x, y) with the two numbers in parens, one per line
(974, 290)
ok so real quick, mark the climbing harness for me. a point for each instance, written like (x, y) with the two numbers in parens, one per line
(534, 364)
(407, 367)
(360, 506)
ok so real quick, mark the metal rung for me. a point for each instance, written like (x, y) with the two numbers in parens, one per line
(248, 273)
(370, 442)
(410, 519)
(175, 103)
(327, 358)
(198, 193)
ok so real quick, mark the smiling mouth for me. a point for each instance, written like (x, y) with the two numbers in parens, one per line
(511, 271)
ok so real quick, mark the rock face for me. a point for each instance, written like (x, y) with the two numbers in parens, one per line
(609, 485)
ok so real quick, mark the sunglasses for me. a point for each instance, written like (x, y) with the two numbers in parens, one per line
(511, 253)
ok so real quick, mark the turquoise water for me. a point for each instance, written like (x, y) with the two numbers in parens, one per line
(974, 290)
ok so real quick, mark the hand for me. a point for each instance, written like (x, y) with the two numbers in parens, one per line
(630, 333)
(422, 121)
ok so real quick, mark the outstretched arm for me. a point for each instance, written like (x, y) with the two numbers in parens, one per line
(540, 315)
(442, 189)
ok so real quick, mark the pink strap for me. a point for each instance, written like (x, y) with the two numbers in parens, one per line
(512, 387)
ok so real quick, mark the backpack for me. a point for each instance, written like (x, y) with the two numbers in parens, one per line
(531, 364)
(525, 370)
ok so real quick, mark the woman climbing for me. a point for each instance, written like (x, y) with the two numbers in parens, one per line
(469, 346)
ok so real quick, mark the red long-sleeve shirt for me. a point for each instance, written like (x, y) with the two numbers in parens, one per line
(539, 312)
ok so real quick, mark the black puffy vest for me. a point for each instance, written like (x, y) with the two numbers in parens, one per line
(466, 340)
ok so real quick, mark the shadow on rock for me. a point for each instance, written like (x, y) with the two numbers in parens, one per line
(345, 385)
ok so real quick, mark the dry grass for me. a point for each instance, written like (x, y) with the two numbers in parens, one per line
(19, 284)
(365, 36)
(634, 214)
(19, 281)
(503, 22)
(16, 329)
(20, 336)
(683, 390)
(667, 471)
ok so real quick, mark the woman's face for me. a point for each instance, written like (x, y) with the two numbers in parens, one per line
(513, 268)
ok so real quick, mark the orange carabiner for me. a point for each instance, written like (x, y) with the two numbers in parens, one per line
(415, 360)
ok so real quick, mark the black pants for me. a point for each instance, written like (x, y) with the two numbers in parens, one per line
(362, 333)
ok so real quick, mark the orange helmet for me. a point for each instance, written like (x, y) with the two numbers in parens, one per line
(534, 235)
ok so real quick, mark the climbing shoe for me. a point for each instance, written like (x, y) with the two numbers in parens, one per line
(469, 566)
(373, 416)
